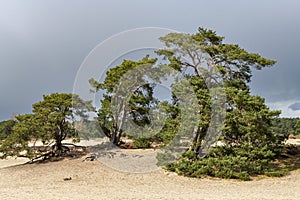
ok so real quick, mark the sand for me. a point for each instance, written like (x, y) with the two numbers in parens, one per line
(84, 179)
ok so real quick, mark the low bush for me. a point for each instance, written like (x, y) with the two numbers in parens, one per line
(222, 162)
(142, 143)
(163, 159)
(277, 173)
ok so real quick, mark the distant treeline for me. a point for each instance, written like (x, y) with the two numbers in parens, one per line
(6, 128)
(287, 126)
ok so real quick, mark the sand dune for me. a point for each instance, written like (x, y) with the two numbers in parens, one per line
(84, 179)
(94, 180)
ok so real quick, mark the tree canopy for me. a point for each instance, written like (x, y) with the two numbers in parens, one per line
(6, 128)
(248, 141)
(50, 122)
(218, 75)
(117, 108)
(287, 126)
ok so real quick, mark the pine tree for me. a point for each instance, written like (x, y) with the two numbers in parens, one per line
(50, 122)
(248, 141)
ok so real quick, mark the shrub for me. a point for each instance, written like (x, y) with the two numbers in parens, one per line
(235, 163)
(164, 159)
(276, 173)
(244, 176)
(142, 143)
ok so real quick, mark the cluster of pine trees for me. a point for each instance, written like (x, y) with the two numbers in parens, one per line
(220, 109)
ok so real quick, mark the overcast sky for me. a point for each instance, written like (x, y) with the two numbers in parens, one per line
(43, 43)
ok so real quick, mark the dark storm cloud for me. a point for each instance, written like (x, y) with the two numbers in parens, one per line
(44, 43)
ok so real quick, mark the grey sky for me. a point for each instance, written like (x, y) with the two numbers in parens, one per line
(43, 43)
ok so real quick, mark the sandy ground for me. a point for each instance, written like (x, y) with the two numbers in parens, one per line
(95, 180)
(293, 141)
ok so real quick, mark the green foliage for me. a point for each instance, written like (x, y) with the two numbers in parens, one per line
(88, 129)
(249, 122)
(121, 81)
(171, 125)
(231, 163)
(164, 159)
(277, 173)
(51, 123)
(6, 128)
(249, 142)
(142, 143)
(286, 126)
